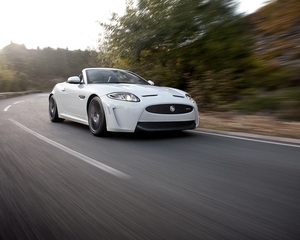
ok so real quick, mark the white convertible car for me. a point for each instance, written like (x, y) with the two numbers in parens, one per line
(115, 100)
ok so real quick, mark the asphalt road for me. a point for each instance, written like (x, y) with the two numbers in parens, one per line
(58, 181)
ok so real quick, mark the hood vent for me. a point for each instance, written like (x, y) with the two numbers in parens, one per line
(150, 95)
(179, 96)
(155, 95)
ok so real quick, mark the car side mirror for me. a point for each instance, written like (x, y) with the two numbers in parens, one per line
(151, 82)
(74, 80)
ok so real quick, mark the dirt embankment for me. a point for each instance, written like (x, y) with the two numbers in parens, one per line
(264, 125)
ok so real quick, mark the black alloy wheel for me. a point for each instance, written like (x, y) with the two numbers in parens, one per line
(96, 117)
(53, 112)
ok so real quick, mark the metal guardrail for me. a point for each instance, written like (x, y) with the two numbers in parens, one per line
(5, 95)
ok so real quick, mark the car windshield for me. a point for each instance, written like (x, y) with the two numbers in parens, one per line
(98, 76)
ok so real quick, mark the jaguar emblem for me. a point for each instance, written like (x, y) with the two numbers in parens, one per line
(172, 108)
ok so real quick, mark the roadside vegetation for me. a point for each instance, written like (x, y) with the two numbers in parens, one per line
(227, 61)
(25, 69)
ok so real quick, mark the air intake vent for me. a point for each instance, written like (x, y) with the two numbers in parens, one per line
(165, 126)
(169, 109)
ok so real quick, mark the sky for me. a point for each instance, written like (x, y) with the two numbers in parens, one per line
(65, 23)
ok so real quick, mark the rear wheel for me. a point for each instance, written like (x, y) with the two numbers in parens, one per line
(53, 112)
(96, 117)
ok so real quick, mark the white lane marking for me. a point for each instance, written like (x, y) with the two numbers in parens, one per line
(248, 139)
(5, 109)
(18, 102)
(82, 157)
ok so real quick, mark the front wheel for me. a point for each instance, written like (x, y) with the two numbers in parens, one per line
(96, 117)
(53, 112)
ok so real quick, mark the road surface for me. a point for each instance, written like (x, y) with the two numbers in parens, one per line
(58, 181)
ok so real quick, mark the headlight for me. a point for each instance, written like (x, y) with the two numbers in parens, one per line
(123, 96)
(189, 97)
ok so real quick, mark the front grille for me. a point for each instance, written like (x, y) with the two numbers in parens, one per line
(165, 126)
(170, 109)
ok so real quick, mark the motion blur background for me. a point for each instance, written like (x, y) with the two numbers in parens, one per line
(240, 63)
(229, 56)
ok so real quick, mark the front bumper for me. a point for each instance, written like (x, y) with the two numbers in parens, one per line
(129, 117)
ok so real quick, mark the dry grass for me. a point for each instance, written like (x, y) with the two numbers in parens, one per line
(264, 125)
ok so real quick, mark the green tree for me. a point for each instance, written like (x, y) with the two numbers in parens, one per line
(42, 68)
(6, 75)
(168, 40)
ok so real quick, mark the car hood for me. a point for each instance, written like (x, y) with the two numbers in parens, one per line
(141, 90)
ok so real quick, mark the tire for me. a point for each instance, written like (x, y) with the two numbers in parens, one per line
(96, 117)
(53, 112)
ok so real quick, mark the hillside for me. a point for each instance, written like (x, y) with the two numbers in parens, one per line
(25, 69)
(276, 27)
(276, 32)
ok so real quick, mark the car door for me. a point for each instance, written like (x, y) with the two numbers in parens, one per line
(70, 99)
(60, 97)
